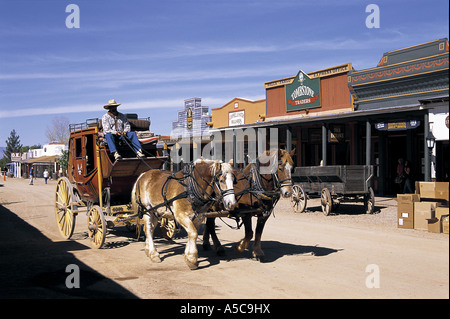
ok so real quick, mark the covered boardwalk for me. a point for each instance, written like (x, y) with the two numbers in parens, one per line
(40, 164)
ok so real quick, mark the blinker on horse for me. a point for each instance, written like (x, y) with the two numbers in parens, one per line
(182, 196)
(258, 188)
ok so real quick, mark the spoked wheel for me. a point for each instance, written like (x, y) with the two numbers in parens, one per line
(96, 226)
(65, 216)
(168, 228)
(369, 201)
(326, 201)
(298, 199)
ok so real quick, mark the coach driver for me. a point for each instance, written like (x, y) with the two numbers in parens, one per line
(116, 123)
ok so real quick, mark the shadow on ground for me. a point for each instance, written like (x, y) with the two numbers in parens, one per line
(33, 266)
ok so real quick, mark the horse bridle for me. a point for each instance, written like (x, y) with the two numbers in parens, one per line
(279, 183)
(198, 192)
(283, 182)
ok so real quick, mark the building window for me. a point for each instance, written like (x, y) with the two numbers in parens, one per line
(236, 105)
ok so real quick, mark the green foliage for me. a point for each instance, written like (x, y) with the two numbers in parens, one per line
(64, 160)
(12, 145)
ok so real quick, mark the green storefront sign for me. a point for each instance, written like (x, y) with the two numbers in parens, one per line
(302, 93)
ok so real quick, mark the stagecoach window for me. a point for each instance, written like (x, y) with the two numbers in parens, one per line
(89, 146)
(78, 148)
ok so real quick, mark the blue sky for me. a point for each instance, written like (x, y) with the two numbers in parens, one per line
(152, 55)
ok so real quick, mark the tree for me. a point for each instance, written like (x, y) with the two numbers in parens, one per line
(63, 161)
(59, 130)
(12, 145)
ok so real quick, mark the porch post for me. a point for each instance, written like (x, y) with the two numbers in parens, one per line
(235, 165)
(368, 142)
(288, 139)
(324, 145)
(426, 154)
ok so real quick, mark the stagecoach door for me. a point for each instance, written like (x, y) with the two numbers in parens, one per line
(84, 155)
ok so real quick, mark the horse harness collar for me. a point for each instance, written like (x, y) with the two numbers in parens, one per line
(256, 188)
(194, 192)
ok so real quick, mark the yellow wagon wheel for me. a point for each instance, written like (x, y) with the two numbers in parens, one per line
(168, 228)
(65, 216)
(96, 226)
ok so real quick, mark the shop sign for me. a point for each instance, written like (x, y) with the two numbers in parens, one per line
(303, 93)
(397, 126)
(336, 134)
(236, 118)
(16, 157)
(332, 71)
(189, 118)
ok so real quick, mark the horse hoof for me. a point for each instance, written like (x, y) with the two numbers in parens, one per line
(155, 259)
(191, 264)
(206, 246)
(259, 257)
(239, 248)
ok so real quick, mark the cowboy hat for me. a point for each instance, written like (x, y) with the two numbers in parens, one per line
(111, 103)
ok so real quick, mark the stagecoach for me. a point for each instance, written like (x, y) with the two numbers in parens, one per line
(101, 187)
(333, 184)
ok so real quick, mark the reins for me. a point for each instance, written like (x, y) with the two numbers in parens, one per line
(194, 192)
(128, 141)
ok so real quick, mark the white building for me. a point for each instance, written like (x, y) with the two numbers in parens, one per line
(41, 159)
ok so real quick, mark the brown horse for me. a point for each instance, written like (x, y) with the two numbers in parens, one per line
(256, 194)
(182, 196)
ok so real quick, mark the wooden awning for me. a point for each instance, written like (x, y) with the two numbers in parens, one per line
(42, 160)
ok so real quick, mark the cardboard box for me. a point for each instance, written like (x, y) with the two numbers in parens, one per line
(433, 190)
(441, 211)
(422, 212)
(444, 221)
(406, 220)
(407, 199)
(405, 210)
(434, 225)
(441, 190)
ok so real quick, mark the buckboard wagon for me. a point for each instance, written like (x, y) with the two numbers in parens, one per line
(333, 184)
(100, 186)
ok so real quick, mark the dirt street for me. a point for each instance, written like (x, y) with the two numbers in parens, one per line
(308, 255)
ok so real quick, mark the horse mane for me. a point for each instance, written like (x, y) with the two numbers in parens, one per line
(286, 157)
(214, 164)
(227, 168)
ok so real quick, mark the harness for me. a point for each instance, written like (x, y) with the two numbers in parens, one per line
(194, 192)
(259, 193)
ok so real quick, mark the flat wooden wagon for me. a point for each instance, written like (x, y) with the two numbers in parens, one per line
(333, 184)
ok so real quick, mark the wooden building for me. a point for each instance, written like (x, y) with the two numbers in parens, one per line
(238, 112)
(343, 116)
(405, 98)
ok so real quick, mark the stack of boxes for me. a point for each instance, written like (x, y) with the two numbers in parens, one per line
(427, 209)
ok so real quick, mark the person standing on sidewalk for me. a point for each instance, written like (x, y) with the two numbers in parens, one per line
(45, 176)
(31, 175)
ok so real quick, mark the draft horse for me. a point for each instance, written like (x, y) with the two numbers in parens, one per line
(182, 196)
(257, 194)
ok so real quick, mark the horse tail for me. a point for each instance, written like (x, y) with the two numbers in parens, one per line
(135, 196)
